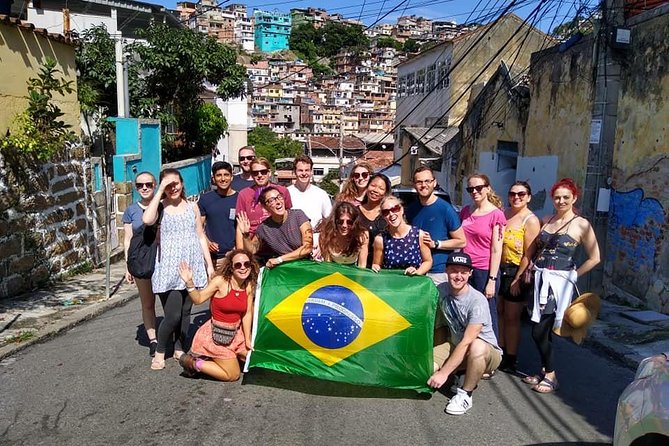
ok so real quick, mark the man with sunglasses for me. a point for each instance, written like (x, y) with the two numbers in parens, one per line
(217, 208)
(438, 220)
(248, 200)
(244, 178)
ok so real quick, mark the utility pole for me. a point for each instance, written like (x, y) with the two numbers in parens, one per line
(122, 97)
(341, 144)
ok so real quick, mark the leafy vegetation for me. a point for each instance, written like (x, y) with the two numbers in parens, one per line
(388, 42)
(568, 29)
(411, 46)
(328, 182)
(39, 130)
(313, 45)
(272, 147)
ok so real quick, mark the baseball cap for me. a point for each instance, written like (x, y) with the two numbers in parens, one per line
(459, 258)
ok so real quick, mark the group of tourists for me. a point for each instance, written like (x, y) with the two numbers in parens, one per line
(489, 261)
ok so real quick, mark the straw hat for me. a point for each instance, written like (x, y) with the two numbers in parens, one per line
(579, 316)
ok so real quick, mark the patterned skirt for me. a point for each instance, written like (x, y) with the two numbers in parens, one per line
(204, 345)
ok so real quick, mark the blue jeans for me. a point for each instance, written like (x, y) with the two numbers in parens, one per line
(479, 280)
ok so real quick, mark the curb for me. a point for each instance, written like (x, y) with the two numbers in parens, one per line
(70, 321)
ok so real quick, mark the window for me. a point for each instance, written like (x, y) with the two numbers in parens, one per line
(442, 74)
(410, 87)
(507, 155)
(429, 78)
(420, 81)
(319, 171)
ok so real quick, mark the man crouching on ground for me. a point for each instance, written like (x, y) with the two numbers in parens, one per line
(472, 345)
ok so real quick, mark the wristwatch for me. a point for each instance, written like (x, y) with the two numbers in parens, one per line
(436, 244)
(493, 278)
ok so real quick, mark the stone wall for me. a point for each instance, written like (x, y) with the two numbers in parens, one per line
(47, 221)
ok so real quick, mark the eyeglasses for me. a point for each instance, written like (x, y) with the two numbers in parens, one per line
(247, 158)
(420, 183)
(395, 209)
(345, 221)
(240, 265)
(478, 188)
(363, 175)
(521, 194)
(274, 199)
(144, 185)
(259, 172)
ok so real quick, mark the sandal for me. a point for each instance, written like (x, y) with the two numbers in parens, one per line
(546, 386)
(533, 379)
(157, 364)
(488, 375)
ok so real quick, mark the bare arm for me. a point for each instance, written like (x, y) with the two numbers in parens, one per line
(302, 251)
(150, 215)
(456, 357)
(589, 242)
(532, 228)
(377, 258)
(127, 236)
(202, 238)
(242, 237)
(247, 319)
(199, 296)
(426, 256)
(364, 251)
(495, 259)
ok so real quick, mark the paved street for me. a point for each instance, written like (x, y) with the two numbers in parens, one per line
(93, 386)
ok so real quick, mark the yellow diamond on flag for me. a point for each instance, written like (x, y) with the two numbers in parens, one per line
(335, 317)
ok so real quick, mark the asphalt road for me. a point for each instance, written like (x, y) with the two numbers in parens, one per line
(93, 386)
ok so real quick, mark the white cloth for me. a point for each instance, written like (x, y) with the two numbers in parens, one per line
(314, 202)
(561, 282)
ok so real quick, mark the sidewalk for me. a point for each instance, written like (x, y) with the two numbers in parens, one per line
(36, 317)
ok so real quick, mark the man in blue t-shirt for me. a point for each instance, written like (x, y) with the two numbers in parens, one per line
(439, 221)
(218, 212)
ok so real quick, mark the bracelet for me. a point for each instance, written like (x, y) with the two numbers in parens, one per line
(493, 278)
(279, 259)
(190, 289)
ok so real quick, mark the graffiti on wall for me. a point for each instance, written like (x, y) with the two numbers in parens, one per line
(634, 236)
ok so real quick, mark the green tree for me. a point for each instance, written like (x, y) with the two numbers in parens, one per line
(328, 182)
(315, 45)
(388, 42)
(568, 29)
(270, 146)
(96, 80)
(410, 46)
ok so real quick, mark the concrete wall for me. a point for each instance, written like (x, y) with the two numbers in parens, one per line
(637, 260)
(561, 91)
(22, 52)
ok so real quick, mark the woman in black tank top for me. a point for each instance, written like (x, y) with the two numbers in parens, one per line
(553, 253)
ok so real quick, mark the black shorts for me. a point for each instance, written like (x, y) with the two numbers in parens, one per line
(508, 272)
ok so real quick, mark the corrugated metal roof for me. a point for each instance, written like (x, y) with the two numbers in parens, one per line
(433, 139)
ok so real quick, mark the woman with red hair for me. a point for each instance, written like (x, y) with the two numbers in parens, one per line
(555, 274)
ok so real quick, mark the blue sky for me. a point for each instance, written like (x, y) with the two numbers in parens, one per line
(458, 10)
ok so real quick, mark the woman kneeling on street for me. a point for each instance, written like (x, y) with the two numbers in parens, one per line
(225, 339)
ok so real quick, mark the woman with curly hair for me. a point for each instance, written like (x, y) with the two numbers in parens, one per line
(343, 239)
(225, 339)
(355, 187)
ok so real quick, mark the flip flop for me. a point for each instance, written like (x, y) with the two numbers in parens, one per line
(548, 386)
(533, 379)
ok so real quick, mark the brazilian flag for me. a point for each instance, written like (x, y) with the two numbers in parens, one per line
(347, 324)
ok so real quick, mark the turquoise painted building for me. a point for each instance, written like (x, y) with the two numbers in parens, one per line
(272, 30)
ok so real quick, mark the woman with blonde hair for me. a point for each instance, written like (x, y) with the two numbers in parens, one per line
(145, 183)
(355, 187)
(483, 223)
(225, 339)
(343, 239)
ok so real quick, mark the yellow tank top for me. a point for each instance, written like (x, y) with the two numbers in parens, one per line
(512, 249)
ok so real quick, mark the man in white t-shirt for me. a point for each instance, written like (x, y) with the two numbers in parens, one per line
(311, 199)
(472, 345)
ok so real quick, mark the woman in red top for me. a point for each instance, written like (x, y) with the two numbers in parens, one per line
(225, 339)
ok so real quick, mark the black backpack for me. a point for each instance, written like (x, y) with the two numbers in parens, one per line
(143, 249)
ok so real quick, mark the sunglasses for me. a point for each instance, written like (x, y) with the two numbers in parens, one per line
(144, 185)
(521, 194)
(247, 158)
(259, 172)
(478, 188)
(345, 221)
(274, 199)
(363, 175)
(395, 209)
(240, 265)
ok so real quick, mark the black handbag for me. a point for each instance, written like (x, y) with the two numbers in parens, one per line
(143, 249)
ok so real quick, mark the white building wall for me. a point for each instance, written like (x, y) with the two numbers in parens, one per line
(52, 21)
(235, 112)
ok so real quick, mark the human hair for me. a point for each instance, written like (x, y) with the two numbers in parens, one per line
(226, 267)
(385, 179)
(262, 160)
(350, 192)
(492, 195)
(391, 197)
(422, 169)
(327, 228)
(303, 159)
(172, 171)
(247, 148)
(220, 165)
(146, 172)
(566, 183)
(524, 184)
(264, 192)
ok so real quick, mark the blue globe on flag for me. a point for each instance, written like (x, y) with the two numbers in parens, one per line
(332, 316)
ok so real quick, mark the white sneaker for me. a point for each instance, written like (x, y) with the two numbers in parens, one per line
(459, 404)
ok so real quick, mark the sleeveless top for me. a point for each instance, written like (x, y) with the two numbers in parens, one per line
(178, 242)
(514, 239)
(400, 253)
(344, 259)
(556, 251)
(229, 308)
(374, 227)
